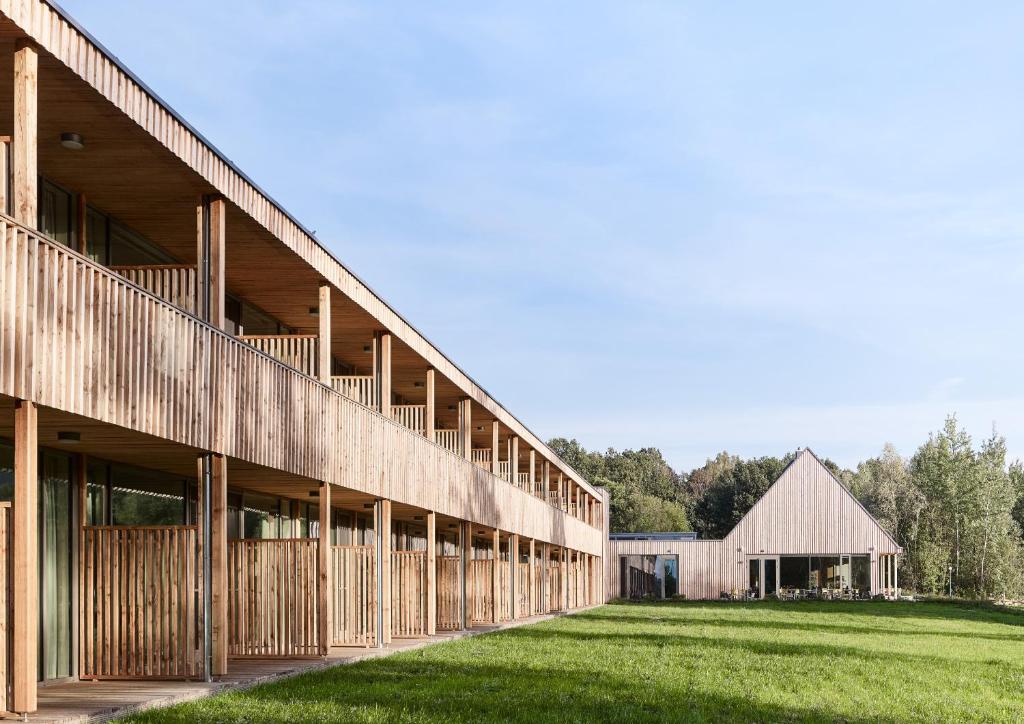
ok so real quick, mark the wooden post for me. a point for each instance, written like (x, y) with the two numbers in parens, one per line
(513, 556)
(25, 564)
(533, 472)
(219, 565)
(495, 433)
(495, 579)
(532, 572)
(465, 554)
(564, 593)
(324, 343)
(466, 423)
(895, 575)
(326, 582)
(431, 411)
(385, 570)
(546, 481)
(513, 462)
(25, 151)
(431, 573)
(384, 362)
(5, 175)
(210, 253)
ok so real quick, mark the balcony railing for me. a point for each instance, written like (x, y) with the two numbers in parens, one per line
(482, 457)
(357, 387)
(523, 480)
(174, 283)
(448, 439)
(504, 470)
(295, 350)
(411, 416)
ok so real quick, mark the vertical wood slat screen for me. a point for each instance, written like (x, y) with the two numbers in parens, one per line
(354, 596)
(449, 610)
(272, 598)
(141, 613)
(359, 388)
(408, 594)
(295, 350)
(411, 416)
(555, 584)
(482, 457)
(523, 589)
(538, 588)
(505, 470)
(6, 669)
(174, 283)
(478, 590)
(504, 591)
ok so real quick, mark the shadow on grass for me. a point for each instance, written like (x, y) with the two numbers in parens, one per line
(407, 689)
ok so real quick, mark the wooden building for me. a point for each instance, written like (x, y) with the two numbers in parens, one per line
(216, 442)
(807, 536)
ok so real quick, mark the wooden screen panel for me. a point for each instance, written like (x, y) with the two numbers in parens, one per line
(523, 589)
(359, 388)
(174, 283)
(354, 596)
(539, 604)
(142, 618)
(449, 604)
(479, 590)
(408, 594)
(272, 598)
(555, 583)
(504, 591)
(299, 351)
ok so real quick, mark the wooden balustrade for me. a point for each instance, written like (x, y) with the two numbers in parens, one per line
(555, 591)
(272, 598)
(448, 439)
(360, 388)
(479, 591)
(523, 480)
(449, 595)
(482, 457)
(298, 351)
(539, 574)
(408, 594)
(504, 591)
(411, 416)
(505, 470)
(174, 283)
(139, 611)
(354, 596)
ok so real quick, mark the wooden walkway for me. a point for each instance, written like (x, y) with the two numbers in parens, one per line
(94, 701)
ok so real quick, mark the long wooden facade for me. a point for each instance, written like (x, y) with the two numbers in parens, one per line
(806, 514)
(260, 457)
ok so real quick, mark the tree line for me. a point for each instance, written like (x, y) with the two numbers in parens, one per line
(956, 507)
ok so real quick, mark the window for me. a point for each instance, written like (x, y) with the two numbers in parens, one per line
(112, 243)
(261, 516)
(244, 318)
(56, 212)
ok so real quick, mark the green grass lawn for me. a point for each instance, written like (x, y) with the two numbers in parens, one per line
(851, 662)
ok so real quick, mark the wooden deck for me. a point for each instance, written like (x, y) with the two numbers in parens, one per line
(93, 701)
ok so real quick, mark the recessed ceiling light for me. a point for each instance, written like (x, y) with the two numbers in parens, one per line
(72, 141)
(314, 311)
(417, 383)
(69, 436)
(367, 348)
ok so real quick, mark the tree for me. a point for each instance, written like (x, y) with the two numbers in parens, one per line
(735, 489)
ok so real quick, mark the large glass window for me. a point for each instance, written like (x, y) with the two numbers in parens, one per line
(55, 566)
(123, 495)
(754, 575)
(262, 516)
(243, 318)
(112, 243)
(56, 212)
(649, 576)
(861, 574)
(794, 572)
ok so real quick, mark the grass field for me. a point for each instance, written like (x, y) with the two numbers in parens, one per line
(851, 662)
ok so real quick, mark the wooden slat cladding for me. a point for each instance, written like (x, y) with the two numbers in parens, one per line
(449, 598)
(55, 34)
(354, 596)
(174, 283)
(448, 439)
(410, 416)
(523, 593)
(140, 602)
(555, 587)
(408, 594)
(5, 570)
(479, 591)
(80, 338)
(272, 598)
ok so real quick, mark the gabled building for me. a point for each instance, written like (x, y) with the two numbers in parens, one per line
(807, 535)
(216, 442)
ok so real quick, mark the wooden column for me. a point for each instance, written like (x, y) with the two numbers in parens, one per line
(431, 411)
(6, 202)
(431, 573)
(326, 569)
(384, 372)
(532, 572)
(219, 564)
(513, 462)
(324, 343)
(385, 570)
(466, 554)
(210, 253)
(495, 580)
(513, 556)
(24, 154)
(895, 575)
(25, 560)
(565, 579)
(546, 479)
(495, 434)
(533, 472)
(466, 426)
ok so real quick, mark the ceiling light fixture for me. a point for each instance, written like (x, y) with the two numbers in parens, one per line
(69, 436)
(72, 141)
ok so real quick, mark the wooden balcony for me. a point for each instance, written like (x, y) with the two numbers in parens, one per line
(174, 283)
(482, 457)
(298, 351)
(411, 416)
(360, 388)
(505, 470)
(523, 481)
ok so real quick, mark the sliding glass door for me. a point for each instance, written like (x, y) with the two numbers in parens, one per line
(55, 567)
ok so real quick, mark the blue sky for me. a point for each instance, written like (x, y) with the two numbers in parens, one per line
(740, 226)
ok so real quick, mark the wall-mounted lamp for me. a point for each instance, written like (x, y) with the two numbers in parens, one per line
(72, 141)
